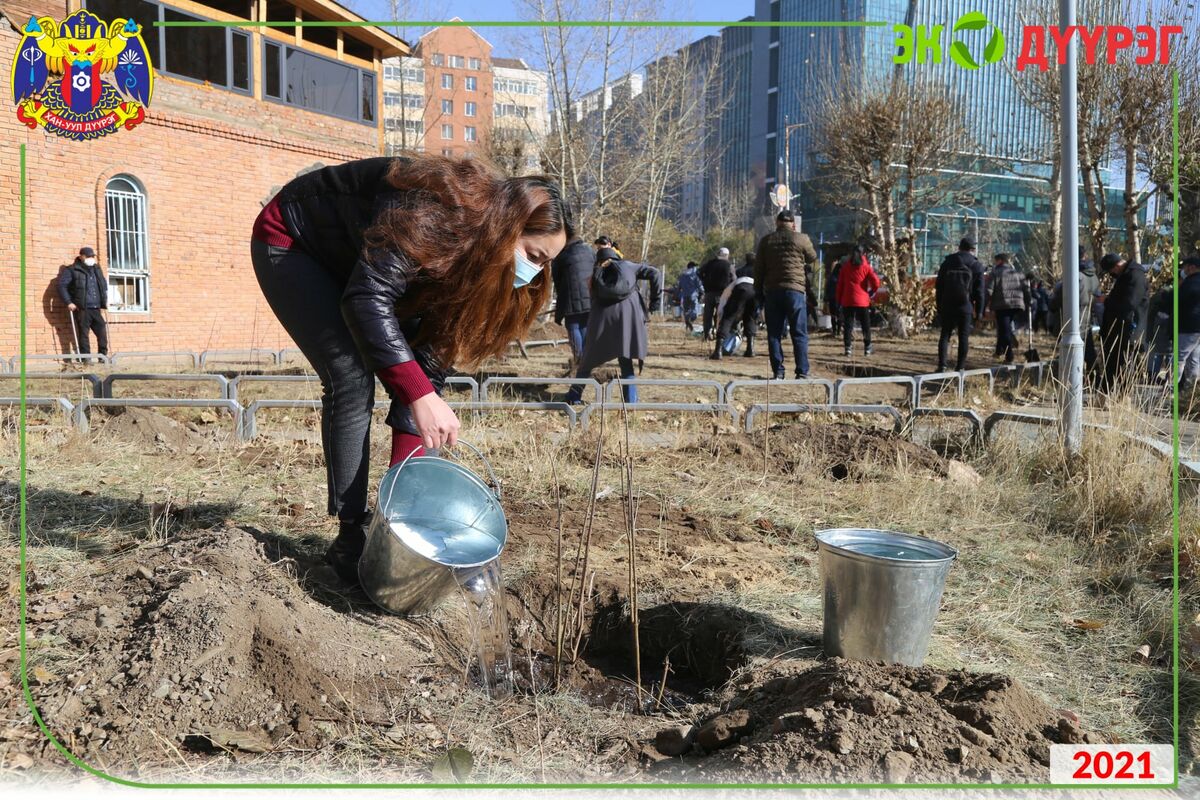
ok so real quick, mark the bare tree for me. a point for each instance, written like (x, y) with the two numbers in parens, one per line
(732, 201)
(882, 140)
(672, 111)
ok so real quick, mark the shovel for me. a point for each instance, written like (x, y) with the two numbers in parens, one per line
(1031, 355)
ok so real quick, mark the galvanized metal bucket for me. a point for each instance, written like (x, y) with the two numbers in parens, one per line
(883, 590)
(436, 524)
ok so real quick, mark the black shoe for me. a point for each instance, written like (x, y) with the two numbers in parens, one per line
(941, 368)
(346, 549)
(778, 376)
(716, 355)
(848, 353)
(749, 352)
(800, 376)
(869, 351)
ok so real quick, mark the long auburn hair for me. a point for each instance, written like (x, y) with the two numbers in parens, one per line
(458, 223)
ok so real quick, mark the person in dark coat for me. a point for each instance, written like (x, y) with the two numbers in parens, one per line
(401, 268)
(856, 287)
(959, 297)
(690, 289)
(746, 270)
(1010, 298)
(1041, 305)
(570, 272)
(1125, 309)
(1187, 371)
(835, 312)
(716, 274)
(617, 324)
(82, 286)
(738, 305)
(781, 267)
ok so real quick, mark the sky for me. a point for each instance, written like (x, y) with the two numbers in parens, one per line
(508, 43)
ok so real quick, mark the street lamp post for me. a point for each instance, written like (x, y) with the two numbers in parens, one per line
(1071, 366)
(787, 160)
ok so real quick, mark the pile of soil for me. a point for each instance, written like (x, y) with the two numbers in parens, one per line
(843, 721)
(841, 450)
(205, 644)
(148, 428)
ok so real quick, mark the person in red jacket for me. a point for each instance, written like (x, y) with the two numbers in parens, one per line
(856, 285)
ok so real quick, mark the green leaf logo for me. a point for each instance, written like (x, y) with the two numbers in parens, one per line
(976, 21)
(995, 47)
(962, 56)
(971, 21)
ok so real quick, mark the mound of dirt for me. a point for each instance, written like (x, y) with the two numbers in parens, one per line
(859, 721)
(205, 644)
(840, 450)
(144, 426)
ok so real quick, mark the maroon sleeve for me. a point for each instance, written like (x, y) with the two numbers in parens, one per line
(407, 380)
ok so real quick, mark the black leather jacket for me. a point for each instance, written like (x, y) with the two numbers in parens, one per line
(326, 211)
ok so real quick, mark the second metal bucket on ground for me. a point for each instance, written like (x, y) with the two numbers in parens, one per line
(882, 592)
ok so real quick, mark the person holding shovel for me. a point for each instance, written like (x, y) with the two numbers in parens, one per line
(83, 287)
(401, 268)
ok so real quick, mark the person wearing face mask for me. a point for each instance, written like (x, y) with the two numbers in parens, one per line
(401, 269)
(83, 287)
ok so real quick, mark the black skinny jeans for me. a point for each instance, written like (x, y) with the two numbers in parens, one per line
(306, 298)
(954, 320)
(863, 315)
(1006, 332)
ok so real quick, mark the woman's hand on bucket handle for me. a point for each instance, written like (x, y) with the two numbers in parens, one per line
(436, 422)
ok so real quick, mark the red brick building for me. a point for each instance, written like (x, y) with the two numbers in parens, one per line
(169, 205)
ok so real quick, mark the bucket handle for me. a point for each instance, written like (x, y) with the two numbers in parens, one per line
(486, 463)
(476, 450)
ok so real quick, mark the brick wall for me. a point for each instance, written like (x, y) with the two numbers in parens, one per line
(208, 159)
(456, 41)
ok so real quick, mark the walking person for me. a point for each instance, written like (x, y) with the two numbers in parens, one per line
(83, 287)
(1125, 309)
(1009, 301)
(746, 270)
(401, 268)
(617, 325)
(716, 274)
(780, 276)
(959, 298)
(856, 287)
(689, 294)
(738, 306)
(570, 271)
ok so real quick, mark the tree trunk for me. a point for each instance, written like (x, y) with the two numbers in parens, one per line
(1133, 234)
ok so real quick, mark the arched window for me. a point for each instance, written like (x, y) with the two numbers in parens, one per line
(125, 222)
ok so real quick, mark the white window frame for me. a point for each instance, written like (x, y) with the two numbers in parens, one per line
(128, 243)
(472, 83)
(469, 109)
(447, 131)
(457, 62)
(447, 80)
(469, 134)
(447, 106)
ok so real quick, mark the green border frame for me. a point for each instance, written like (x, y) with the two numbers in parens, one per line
(1175, 443)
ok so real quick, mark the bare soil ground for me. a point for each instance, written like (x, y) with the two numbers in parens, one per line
(182, 625)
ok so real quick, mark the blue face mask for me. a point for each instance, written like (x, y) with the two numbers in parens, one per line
(526, 270)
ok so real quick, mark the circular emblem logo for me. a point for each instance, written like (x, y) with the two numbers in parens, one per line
(976, 21)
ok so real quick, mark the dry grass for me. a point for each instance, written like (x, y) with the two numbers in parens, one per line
(1043, 542)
